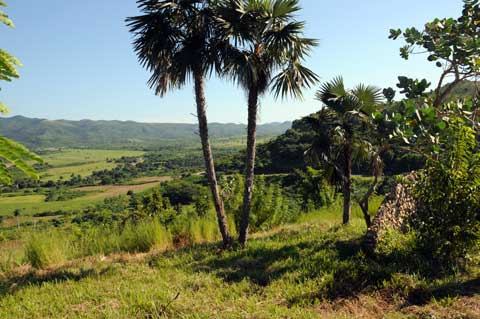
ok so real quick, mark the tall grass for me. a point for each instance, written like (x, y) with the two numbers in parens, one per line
(45, 249)
(56, 246)
(203, 230)
(144, 236)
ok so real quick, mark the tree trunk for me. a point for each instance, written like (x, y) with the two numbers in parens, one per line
(250, 165)
(208, 157)
(347, 183)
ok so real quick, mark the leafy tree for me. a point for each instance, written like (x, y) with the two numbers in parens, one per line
(266, 53)
(11, 152)
(339, 127)
(175, 41)
(447, 221)
(451, 43)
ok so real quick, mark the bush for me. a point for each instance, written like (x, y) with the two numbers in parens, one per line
(448, 193)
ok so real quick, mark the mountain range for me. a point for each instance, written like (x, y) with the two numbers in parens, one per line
(41, 133)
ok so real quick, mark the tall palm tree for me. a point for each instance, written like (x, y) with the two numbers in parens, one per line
(340, 127)
(177, 41)
(266, 52)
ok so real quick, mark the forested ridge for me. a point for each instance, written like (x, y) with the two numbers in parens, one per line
(41, 133)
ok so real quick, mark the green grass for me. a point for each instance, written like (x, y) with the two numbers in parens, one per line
(80, 162)
(314, 269)
(32, 204)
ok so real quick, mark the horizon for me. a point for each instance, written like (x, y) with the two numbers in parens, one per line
(78, 61)
(133, 121)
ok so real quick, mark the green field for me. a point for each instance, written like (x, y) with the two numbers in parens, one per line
(32, 204)
(83, 162)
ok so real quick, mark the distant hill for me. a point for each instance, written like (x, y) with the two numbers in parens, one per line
(41, 133)
(465, 88)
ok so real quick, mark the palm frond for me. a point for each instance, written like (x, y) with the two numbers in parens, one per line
(368, 97)
(284, 9)
(293, 80)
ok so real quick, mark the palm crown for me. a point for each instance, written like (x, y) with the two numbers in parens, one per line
(174, 39)
(267, 46)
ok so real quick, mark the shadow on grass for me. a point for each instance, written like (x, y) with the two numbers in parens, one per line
(336, 259)
(17, 282)
(422, 296)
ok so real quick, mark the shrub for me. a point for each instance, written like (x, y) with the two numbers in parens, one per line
(448, 192)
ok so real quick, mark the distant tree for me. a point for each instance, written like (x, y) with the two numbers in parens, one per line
(339, 127)
(175, 41)
(266, 51)
(11, 152)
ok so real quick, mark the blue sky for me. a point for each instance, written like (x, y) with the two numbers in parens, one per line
(79, 64)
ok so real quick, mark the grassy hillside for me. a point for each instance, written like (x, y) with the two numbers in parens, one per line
(314, 269)
(41, 133)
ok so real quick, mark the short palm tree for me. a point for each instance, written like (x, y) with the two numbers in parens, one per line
(341, 128)
(266, 52)
(177, 41)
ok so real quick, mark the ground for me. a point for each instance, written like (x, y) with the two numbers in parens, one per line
(312, 269)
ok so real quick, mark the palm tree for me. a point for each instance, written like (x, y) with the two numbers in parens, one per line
(266, 52)
(177, 41)
(341, 128)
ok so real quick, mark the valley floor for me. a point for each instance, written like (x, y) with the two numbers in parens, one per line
(314, 269)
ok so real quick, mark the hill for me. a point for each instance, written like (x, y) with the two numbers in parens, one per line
(307, 270)
(42, 133)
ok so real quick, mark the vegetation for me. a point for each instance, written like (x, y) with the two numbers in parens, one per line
(147, 233)
(340, 132)
(447, 222)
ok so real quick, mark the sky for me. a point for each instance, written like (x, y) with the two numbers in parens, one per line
(78, 61)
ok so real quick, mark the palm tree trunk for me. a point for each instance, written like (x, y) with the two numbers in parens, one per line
(208, 157)
(347, 184)
(250, 165)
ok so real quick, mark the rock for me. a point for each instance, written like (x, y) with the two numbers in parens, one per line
(394, 212)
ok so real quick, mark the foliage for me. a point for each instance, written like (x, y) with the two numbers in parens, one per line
(447, 221)
(17, 155)
(451, 43)
(272, 204)
(314, 189)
